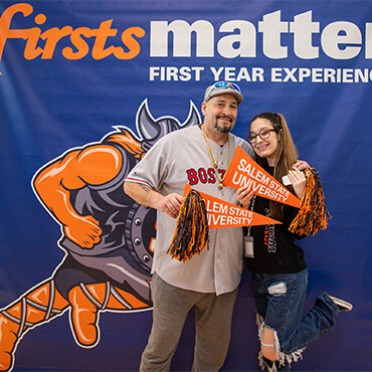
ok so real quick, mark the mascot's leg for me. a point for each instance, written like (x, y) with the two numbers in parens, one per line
(34, 308)
(87, 300)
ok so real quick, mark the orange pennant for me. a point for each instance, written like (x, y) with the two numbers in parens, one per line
(221, 213)
(244, 171)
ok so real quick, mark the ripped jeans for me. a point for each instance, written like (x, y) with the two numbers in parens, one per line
(280, 301)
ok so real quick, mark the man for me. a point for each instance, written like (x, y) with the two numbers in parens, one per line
(208, 282)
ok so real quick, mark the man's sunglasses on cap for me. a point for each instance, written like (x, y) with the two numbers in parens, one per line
(222, 87)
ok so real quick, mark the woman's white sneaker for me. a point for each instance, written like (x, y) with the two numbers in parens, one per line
(342, 305)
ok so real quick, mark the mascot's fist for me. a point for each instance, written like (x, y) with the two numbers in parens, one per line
(84, 231)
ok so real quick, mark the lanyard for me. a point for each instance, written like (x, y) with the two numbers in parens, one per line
(253, 202)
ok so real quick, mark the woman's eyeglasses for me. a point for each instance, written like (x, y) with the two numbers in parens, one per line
(264, 134)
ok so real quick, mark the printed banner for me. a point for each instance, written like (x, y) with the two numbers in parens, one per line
(244, 171)
(88, 87)
(224, 214)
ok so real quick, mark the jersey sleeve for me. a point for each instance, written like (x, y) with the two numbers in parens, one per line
(152, 169)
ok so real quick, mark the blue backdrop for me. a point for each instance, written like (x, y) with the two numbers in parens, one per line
(74, 71)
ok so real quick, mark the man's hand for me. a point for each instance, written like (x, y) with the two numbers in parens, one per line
(145, 195)
(170, 204)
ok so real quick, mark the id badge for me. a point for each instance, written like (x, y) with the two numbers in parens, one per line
(248, 246)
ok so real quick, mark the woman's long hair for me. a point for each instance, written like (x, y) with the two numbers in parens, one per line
(287, 155)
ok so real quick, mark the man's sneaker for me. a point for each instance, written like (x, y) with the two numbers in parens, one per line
(341, 304)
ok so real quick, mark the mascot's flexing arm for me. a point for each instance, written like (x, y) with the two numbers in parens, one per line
(107, 237)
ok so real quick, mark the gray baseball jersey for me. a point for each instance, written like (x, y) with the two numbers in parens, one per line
(182, 158)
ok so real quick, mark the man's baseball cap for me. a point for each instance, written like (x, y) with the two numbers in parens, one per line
(223, 87)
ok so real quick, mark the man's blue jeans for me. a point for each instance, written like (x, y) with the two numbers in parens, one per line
(280, 301)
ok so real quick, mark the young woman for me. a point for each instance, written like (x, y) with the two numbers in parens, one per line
(277, 264)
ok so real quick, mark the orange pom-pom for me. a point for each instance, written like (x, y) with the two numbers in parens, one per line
(192, 233)
(313, 214)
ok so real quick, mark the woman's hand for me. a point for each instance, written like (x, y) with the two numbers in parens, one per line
(298, 180)
(301, 165)
(244, 196)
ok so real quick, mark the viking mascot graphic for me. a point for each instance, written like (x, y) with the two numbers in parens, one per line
(107, 237)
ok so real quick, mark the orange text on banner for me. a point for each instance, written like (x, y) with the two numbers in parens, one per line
(224, 214)
(244, 171)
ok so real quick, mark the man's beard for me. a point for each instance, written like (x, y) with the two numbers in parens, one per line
(222, 128)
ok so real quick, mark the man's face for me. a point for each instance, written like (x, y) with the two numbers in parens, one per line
(220, 113)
